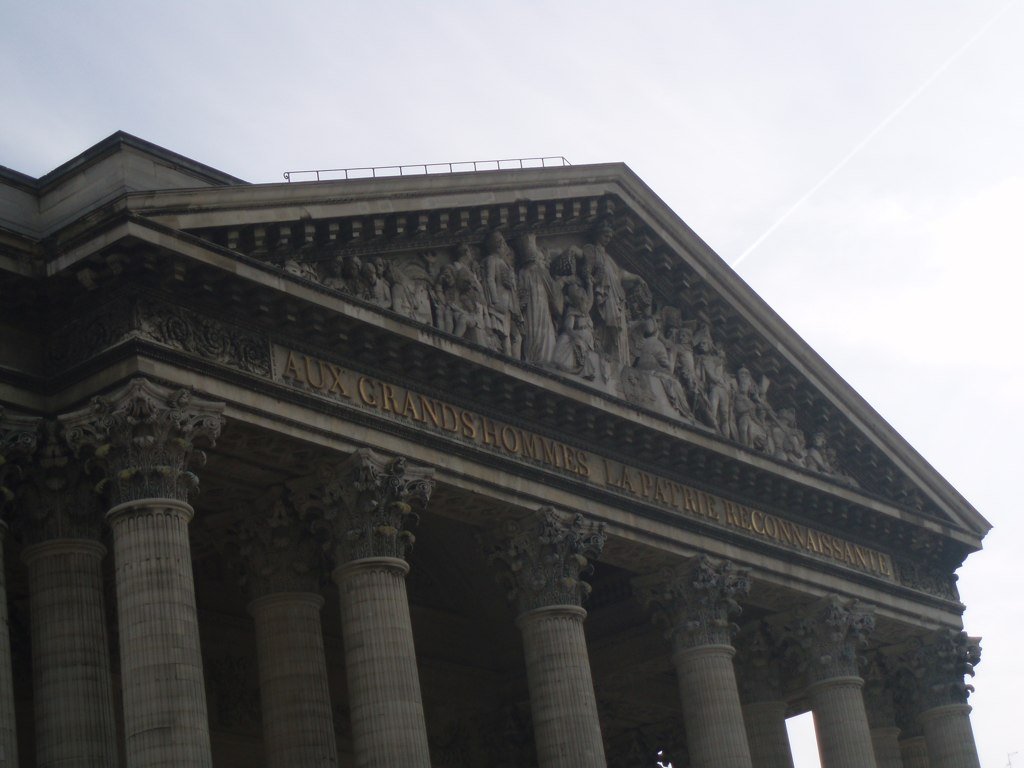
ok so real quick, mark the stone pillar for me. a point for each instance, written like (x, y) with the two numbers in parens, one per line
(828, 634)
(362, 507)
(73, 695)
(143, 437)
(878, 700)
(19, 436)
(761, 694)
(280, 569)
(946, 655)
(543, 559)
(696, 600)
(914, 752)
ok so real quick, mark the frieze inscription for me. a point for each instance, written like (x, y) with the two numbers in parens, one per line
(327, 379)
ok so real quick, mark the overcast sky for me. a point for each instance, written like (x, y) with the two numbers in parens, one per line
(878, 143)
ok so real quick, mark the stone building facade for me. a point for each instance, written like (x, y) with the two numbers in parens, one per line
(502, 468)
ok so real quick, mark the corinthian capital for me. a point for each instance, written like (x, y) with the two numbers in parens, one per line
(276, 548)
(143, 437)
(58, 498)
(697, 600)
(19, 436)
(363, 504)
(934, 666)
(826, 636)
(545, 557)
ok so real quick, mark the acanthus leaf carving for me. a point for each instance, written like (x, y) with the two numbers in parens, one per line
(542, 559)
(142, 437)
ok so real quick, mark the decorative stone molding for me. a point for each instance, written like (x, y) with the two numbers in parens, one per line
(59, 499)
(697, 599)
(19, 438)
(362, 505)
(826, 635)
(545, 557)
(276, 549)
(142, 436)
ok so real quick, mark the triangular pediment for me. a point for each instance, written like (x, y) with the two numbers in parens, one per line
(581, 274)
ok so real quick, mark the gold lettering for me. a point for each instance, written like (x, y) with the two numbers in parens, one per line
(771, 527)
(511, 445)
(468, 425)
(626, 482)
(883, 565)
(388, 401)
(757, 515)
(429, 408)
(690, 500)
(550, 456)
(659, 491)
(410, 407)
(813, 543)
(646, 484)
(452, 424)
(710, 510)
(365, 396)
(490, 431)
(581, 460)
(291, 370)
(569, 457)
(320, 373)
(336, 385)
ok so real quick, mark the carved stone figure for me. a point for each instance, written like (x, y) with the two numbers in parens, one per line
(463, 297)
(575, 350)
(610, 317)
(716, 399)
(412, 287)
(750, 412)
(540, 302)
(651, 381)
(501, 296)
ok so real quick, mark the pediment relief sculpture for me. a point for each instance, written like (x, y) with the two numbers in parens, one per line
(567, 305)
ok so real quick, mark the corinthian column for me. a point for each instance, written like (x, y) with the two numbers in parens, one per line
(19, 437)
(362, 507)
(946, 655)
(696, 600)
(73, 693)
(142, 436)
(543, 559)
(761, 694)
(881, 711)
(827, 635)
(281, 568)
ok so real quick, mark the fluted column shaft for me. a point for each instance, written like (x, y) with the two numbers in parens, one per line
(887, 747)
(562, 702)
(914, 752)
(715, 733)
(72, 691)
(8, 727)
(841, 722)
(298, 727)
(949, 736)
(165, 716)
(386, 706)
(767, 736)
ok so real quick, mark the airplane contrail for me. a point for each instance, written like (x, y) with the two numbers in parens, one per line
(874, 132)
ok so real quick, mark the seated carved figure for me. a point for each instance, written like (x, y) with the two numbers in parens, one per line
(575, 351)
(650, 381)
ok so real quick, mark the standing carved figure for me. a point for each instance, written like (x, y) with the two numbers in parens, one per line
(717, 396)
(574, 351)
(463, 296)
(539, 302)
(611, 320)
(501, 296)
(413, 285)
(750, 412)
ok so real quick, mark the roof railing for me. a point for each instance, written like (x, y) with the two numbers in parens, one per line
(427, 169)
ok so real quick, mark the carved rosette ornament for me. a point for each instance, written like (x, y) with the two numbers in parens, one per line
(276, 548)
(142, 436)
(546, 557)
(827, 635)
(19, 438)
(363, 505)
(59, 499)
(697, 599)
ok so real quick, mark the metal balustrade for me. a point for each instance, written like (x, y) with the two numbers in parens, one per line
(426, 169)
